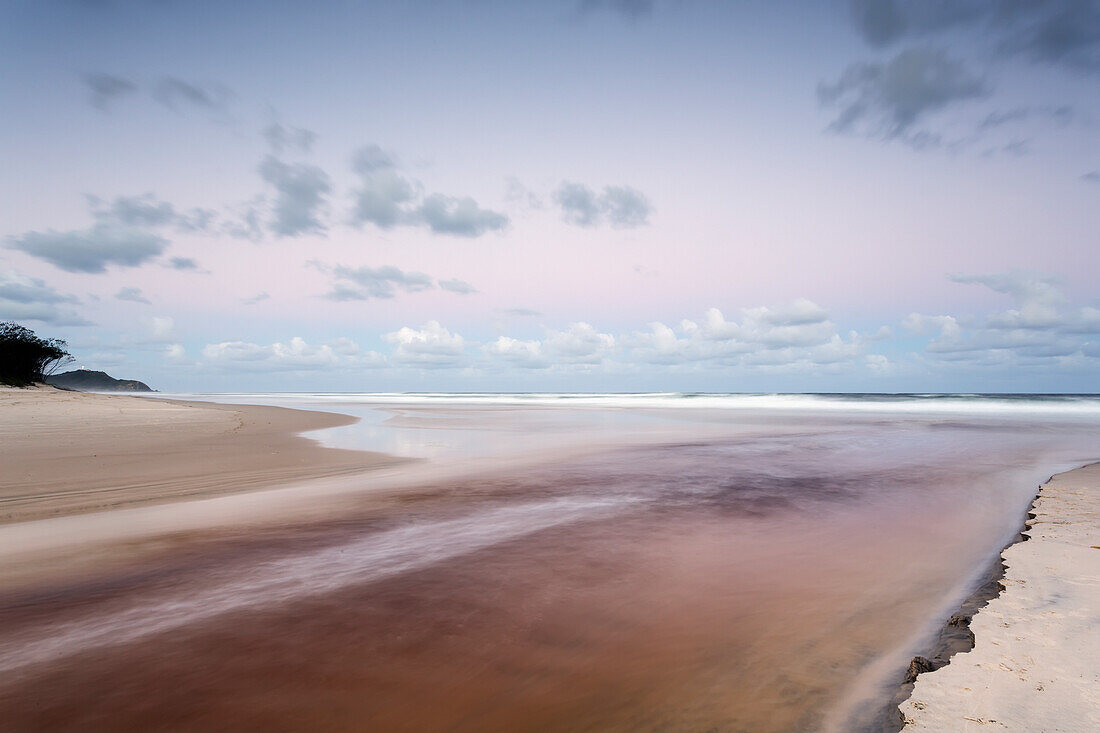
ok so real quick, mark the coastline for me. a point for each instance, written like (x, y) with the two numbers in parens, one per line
(68, 453)
(1027, 666)
(954, 635)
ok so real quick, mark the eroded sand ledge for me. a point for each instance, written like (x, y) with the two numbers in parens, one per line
(1033, 666)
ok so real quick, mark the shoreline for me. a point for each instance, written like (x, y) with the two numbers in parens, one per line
(1023, 667)
(954, 635)
(70, 453)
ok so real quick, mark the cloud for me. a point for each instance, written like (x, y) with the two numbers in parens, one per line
(1091, 177)
(1053, 32)
(795, 337)
(579, 345)
(288, 139)
(521, 312)
(885, 22)
(133, 295)
(104, 89)
(161, 328)
(632, 10)
(1037, 299)
(300, 191)
(578, 203)
(293, 355)
(457, 286)
(147, 211)
(621, 206)
(183, 263)
(1035, 330)
(91, 250)
(257, 298)
(1066, 32)
(461, 217)
(526, 354)
(25, 298)
(177, 94)
(430, 347)
(518, 194)
(387, 199)
(364, 283)
(888, 100)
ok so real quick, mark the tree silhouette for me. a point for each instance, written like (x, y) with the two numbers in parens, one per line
(26, 358)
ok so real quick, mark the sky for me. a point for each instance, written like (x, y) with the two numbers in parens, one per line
(568, 195)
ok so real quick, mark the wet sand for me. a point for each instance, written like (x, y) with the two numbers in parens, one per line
(747, 582)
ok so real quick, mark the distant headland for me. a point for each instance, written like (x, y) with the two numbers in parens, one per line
(87, 380)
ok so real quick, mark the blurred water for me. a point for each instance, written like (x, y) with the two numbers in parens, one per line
(729, 567)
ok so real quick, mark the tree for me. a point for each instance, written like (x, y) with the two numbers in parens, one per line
(26, 358)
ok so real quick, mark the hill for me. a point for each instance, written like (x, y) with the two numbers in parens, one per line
(86, 380)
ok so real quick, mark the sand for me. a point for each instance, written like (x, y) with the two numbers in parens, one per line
(1034, 664)
(67, 453)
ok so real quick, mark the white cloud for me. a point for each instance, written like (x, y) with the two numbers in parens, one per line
(293, 355)
(527, 354)
(161, 327)
(1035, 330)
(431, 346)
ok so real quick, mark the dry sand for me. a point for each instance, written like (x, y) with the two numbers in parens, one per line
(66, 453)
(1034, 665)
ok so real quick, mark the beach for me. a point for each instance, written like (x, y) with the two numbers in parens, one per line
(1033, 663)
(72, 452)
(602, 565)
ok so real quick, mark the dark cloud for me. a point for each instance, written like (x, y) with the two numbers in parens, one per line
(103, 89)
(132, 294)
(289, 139)
(1065, 32)
(91, 250)
(147, 211)
(370, 159)
(629, 9)
(383, 194)
(621, 206)
(1062, 115)
(578, 204)
(461, 217)
(364, 283)
(300, 191)
(141, 211)
(1058, 32)
(387, 198)
(457, 286)
(179, 95)
(625, 207)
(183, 263)
(888, 100)
(31, 299)
(885, 22)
